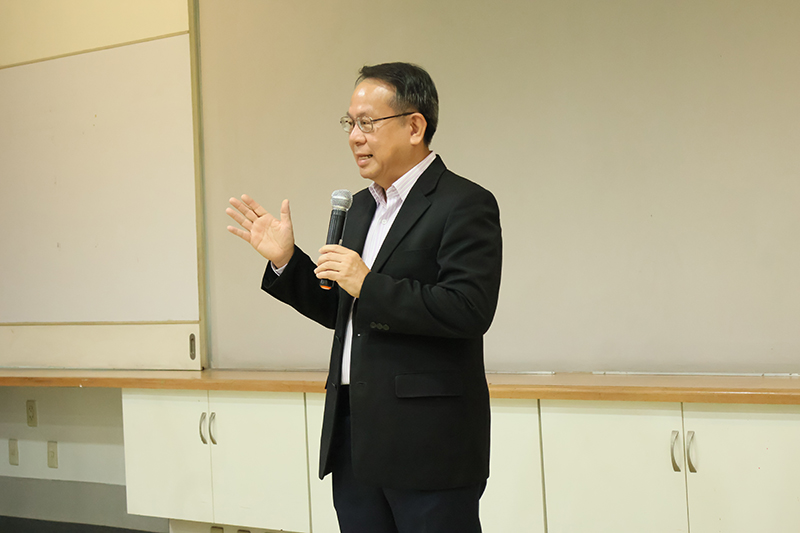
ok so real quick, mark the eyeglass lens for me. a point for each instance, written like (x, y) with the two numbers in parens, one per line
(365, 124)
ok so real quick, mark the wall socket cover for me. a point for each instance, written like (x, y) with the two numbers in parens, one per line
(31, 414)
(13, 452)
(52, 454)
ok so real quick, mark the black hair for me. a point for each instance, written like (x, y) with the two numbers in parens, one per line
(414, 90)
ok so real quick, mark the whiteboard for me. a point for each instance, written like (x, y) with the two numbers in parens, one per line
(644, 155)
(97, 210)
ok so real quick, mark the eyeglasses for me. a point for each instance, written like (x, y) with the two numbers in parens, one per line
(365, 124)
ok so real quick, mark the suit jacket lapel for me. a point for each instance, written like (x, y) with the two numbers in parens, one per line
(415, 204)
(358, 220)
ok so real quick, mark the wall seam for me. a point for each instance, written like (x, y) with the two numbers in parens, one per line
(98, 49)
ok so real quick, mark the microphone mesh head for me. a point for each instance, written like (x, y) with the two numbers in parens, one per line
(341, 199)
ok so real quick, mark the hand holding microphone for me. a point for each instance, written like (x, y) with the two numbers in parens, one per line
(341, 200)
(337, 263)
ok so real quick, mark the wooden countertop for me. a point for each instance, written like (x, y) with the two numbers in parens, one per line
(566, 386)
(648, 388)
(236, 380)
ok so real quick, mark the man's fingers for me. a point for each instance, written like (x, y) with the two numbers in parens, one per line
(245, 235)
(334, 248)
(238, 217)
(243, 209)
(323, 272)
(254, 206)
(252, 210)
(286, 215)
(332, 258)
(324, 263)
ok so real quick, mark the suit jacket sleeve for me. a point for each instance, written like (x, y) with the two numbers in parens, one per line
(298, 287)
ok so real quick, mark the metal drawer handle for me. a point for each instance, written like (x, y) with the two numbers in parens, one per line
(202, 419)
(675, 466)
(690, 442)
(211, 427)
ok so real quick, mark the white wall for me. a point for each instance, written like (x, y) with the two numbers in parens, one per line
(644, 155)
(35, 30)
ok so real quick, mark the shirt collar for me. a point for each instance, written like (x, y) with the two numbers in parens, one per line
(403, 185)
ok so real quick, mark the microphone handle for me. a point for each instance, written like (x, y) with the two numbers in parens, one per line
(335, 229)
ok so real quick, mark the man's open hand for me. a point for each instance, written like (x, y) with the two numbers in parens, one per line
(271, 237)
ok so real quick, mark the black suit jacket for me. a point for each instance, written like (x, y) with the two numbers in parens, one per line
(418, 395)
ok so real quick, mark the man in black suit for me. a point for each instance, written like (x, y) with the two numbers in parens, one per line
(406, 425)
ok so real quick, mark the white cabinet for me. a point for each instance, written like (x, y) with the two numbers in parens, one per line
(323, 514)
(747, 462)
(219, 457)
(608, 467)
(513, 499)
(167, 466)
(250, 459)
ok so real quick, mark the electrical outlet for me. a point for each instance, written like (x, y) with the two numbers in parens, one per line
(52, 454)
(13, 452)
(33, 416)
(217, 529)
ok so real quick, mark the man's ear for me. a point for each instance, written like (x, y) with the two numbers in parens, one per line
(418, 125)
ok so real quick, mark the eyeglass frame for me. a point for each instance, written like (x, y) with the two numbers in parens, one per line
(372, 121)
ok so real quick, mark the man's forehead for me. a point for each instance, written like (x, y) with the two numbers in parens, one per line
(371, 94)
(373, 84)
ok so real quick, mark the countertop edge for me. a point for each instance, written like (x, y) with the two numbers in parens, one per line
(783, 390)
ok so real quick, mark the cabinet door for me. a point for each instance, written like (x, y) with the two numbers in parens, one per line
(748, 468)
(167, 465)
(513, 499)
(259, 461)
(323, 514)
(608, 467)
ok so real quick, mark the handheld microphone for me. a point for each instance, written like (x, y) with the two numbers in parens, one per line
(341, 200)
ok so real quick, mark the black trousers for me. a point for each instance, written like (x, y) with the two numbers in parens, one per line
(363, 508)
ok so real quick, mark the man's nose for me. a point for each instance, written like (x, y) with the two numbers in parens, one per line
(357, 136)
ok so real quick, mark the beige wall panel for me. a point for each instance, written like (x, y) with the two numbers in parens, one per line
(106, 346)
(32, 30)
(97, 209)
(86, 424)
(644, 155)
